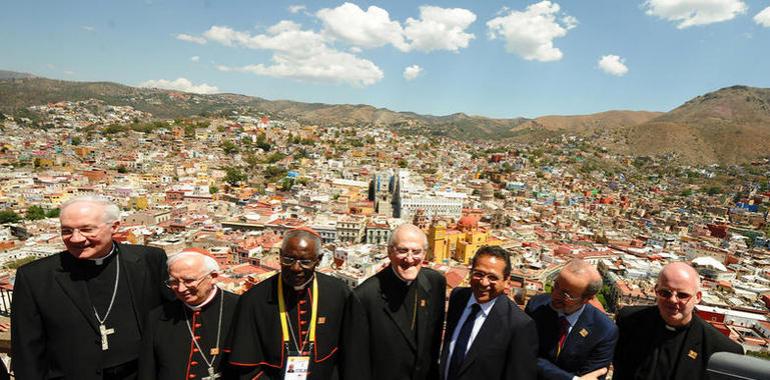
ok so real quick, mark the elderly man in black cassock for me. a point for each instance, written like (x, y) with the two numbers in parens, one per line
(668, 341)
(289, 326)
(79, 314)
(395, 317)
(184, 338)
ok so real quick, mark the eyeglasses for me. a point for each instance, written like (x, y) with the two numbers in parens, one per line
(479, 275)
(87, 231)
(564, 295)
(304, 263)
(666, 294)
(175, 282)
(403, 253)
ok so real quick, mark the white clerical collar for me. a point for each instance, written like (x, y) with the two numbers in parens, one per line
(407, 282)
(204, 303)
(485, 307)
(100, 260)
(303, 285)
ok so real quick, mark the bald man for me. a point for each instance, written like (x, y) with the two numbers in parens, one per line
(397, 316)
(668, 341)
(577, 340)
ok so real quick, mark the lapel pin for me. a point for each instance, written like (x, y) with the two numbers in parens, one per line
(583, 333)
(321, 320)
(422, 303)
(692, 354)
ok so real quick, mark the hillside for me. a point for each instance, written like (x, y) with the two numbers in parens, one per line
(21, 91)
(730, 125)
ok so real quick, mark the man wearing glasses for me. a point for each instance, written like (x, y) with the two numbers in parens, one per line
(79, 314)
(185, 339)
(577, 340)
(487, 336)
(668, 341)
(396, 315)
(289, 326)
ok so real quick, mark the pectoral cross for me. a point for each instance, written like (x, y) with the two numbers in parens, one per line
(105, 331)
(212, 375)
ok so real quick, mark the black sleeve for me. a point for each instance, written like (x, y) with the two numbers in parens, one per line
(147, 360)
(27, 332)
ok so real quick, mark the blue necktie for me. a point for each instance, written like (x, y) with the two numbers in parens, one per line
(461, 345)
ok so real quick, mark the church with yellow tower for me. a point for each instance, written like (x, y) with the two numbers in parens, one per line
(459, 241)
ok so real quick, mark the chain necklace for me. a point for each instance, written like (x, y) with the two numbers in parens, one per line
(209, 363)
(103, 330)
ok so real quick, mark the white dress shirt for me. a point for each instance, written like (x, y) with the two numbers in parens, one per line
(481, 316)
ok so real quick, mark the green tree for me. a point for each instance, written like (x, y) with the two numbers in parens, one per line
(122, 169)
(35, 213)
(53, 213)
(9, 216)
(213, 189)
(76, 140)
(234, 175)
(229, 147)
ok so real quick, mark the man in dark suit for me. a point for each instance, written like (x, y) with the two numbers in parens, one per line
(668, 341)
(395, 317)
(577, 340)
(487, 336)
(79, 314)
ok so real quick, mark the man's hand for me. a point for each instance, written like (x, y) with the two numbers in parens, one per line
(5, 326)
(595, 374)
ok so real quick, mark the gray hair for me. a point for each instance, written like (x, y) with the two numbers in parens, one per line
(582, 268)
(111, 210)
(302, 234)
(209, 263)
(406, 226)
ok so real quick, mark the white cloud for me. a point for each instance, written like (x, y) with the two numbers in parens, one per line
(296, 8)
(69, 72)
(195, 58)
(412, 72)
(613, 65)
(439, 29)
(763, 18)
(189, 38)
(180, 84)
(695, 12)
(530, 33)
(368, 29)
(88, 28)
(298, 54)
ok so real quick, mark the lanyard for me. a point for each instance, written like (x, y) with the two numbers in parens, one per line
(284, 313)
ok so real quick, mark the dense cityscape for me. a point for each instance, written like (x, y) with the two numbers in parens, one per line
(233, 184)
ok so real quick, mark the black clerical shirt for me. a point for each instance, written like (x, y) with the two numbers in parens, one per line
(100, 282)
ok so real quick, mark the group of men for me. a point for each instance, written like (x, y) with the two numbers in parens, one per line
(104, 310)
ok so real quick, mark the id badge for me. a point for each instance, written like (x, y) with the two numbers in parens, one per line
(297, 368)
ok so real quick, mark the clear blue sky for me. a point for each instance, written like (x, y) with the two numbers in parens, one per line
(491, 58)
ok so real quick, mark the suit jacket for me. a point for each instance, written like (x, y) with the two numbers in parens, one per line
(54, 333)
(505, 346)
(589, 345)
(379, 343)
(638, 327)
